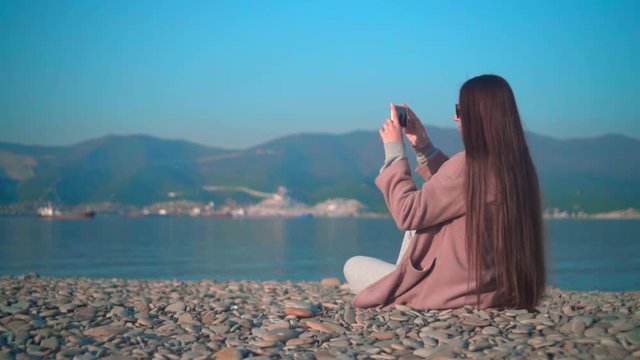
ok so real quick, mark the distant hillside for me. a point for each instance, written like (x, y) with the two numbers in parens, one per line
(130, 169)
(594, 174)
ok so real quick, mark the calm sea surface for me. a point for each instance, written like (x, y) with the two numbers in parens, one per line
(583, 254)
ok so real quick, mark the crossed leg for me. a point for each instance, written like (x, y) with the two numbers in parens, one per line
(362, 271)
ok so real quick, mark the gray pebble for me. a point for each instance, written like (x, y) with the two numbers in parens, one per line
(176, 307)
(423, 352)
(280, 334)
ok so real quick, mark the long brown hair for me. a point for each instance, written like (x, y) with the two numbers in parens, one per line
(506, 236)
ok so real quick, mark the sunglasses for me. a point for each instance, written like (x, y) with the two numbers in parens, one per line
(457, 111)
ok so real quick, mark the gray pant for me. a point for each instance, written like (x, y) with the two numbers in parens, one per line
(362, 271)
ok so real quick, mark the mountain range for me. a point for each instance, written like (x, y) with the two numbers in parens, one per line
(590, 174)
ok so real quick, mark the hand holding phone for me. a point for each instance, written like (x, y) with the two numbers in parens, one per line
(415, 131)
(402, 116)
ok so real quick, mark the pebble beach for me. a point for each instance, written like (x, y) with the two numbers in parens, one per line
(82, 318)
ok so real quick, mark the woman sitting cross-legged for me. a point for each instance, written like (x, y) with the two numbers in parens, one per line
(474, 230)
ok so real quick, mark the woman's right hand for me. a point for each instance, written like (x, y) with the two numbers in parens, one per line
(415, 131)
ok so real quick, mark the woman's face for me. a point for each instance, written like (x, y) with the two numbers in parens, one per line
(457, 120)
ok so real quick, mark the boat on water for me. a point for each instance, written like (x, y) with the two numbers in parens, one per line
(48, 212)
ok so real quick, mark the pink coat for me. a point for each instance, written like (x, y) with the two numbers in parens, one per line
(433, 271)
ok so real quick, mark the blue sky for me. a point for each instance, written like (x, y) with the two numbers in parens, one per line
(238, 73)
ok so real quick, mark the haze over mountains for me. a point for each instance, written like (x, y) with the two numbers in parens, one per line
(591, 174)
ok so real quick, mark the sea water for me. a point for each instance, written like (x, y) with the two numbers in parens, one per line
(583, 254)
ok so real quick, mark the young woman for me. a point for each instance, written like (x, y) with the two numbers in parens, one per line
(474, 230)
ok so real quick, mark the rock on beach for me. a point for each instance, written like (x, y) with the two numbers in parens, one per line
(84, 318)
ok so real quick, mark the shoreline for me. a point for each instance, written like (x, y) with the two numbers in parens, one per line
(85, 318)
(277, 205)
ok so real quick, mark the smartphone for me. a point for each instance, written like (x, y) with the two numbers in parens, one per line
(403, 117)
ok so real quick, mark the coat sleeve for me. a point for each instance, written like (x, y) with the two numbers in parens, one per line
(439, 199)
(431, 166)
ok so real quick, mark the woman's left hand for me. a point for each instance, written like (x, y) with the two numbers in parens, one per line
(391, 130)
